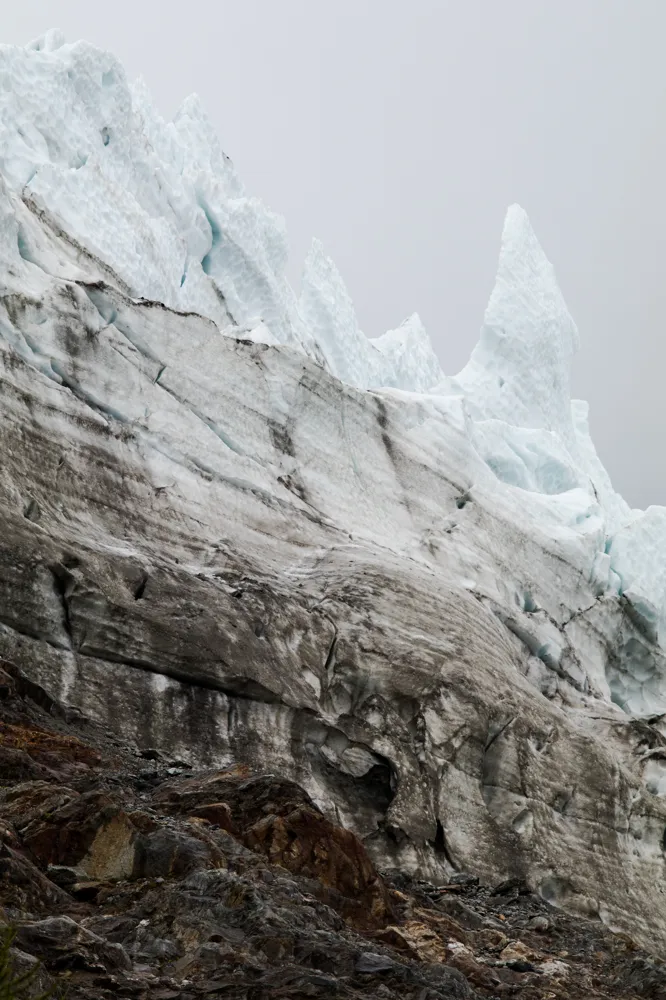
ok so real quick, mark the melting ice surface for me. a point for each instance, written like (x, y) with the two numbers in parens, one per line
(159, 205)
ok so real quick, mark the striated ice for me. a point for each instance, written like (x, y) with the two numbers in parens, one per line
(98, 192)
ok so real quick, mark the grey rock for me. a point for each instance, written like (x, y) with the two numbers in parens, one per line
(462, 878)
(540, 924)
(373, 964)
(456, 908)
(65, 877)
(22, 964)
(168, 852)
(62, 942)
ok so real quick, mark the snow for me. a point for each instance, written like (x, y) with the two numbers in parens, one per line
(503, 489)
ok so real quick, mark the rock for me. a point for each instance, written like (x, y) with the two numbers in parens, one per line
(29, 802)
(150, 776)
(63, 876)
(419, 940)
(212, 956)
(143, 821)
(152, 949)
(172, 853)
(251, 926)
(462, 878)
(446, 927)
(217, 813)
(60, 827)
(28, 752)
(118, 928)
(248, 797)
(17, 766)
(489, 940)
(7, 685)
(554, 968)
(511, 886)
(520, 965)
(64, 944)
(646, 977)
(276, 818)
(305, 842)
(90, 831)
(463, 913)
(86, 891)
(517, 951)
(371, 964)
(24, 888)
(540, 924)
(40, 983)
(477, 974)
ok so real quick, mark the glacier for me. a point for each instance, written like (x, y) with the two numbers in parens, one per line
(236, 526)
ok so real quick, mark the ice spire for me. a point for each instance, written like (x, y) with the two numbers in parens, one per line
(520, 369)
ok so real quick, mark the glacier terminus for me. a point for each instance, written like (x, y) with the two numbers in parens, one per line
(235, 526)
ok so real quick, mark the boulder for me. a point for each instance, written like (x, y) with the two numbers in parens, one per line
(24, 888)
(277, 818)
(173, 853)
(61, 827)
(62, 943)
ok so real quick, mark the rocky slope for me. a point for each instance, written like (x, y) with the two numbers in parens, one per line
(240, 533)
(127, 873)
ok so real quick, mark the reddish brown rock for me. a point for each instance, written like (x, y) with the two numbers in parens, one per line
(60, 827)
(32, 802)
(218, 814)
(306, 843)
(277, 818)
(58, 753)
(143, 821)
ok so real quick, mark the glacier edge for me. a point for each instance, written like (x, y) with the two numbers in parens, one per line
(235, 526)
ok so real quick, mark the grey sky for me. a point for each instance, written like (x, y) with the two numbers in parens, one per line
(399, 130)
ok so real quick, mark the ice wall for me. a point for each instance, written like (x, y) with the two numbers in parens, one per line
(160, 207)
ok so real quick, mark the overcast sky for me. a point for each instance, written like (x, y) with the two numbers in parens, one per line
(398, 131)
